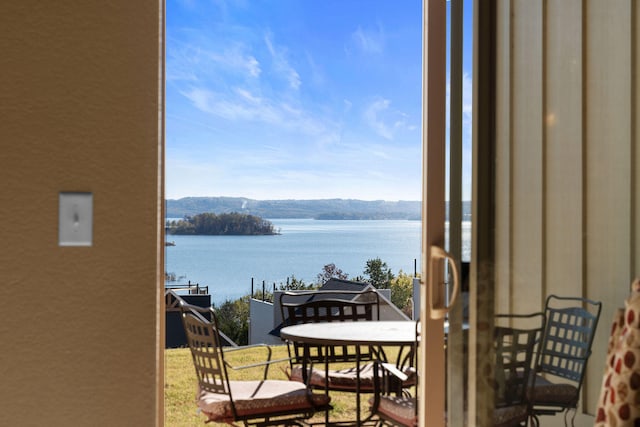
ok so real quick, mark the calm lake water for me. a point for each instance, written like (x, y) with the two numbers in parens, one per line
(228, 263)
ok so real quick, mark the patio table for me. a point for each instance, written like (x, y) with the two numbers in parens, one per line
(383, 332)
(369, 333)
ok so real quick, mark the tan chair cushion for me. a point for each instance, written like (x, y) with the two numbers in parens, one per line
(259, 397)
(345, 379)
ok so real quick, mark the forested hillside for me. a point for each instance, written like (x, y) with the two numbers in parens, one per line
(318, 209)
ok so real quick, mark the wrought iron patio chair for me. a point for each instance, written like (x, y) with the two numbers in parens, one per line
(515, 340)
(260, 402)
(516, 337)
(391, 404)
(328, 306)
(336, 306)
(562, 359)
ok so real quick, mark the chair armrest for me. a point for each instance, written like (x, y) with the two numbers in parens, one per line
(388, 379)
(393, 370)
(254, 365)
(266, 363)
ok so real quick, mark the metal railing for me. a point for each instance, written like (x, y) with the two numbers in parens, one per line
(192, 289)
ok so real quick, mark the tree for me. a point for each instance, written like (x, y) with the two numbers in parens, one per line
(378, 273)
(402, 292)
(295, 284)
(233, 319)
(330, 271)
(233, 223)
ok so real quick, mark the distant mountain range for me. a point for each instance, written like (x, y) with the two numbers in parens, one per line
(317, 209)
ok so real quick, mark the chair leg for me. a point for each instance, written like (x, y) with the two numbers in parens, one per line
(533, 421)
(574, 411)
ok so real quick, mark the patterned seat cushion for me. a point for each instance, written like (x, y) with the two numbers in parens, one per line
(546, 392)
(259, 397)
(345, 379)
(403, 410)
(400, 409)
(510, 415)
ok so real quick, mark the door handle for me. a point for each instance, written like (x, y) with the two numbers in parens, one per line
(438, 308)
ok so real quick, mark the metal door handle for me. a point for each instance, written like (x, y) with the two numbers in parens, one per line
(438, 309)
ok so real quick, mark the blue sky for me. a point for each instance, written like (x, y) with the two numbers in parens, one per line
(294, 99)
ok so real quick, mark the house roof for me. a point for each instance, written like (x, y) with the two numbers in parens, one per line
(334, 284)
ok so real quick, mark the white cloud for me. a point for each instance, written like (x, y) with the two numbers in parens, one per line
(248, 96)
(368, 41)
(385, 121)
(318, 77)
(236, 59)
(285, 169)
(372, 117)
(381, 154)
(240, 104)
(191, 62)
(200, 98)
(262, 115)
(183, 75)
(281, 64)
(253, 66)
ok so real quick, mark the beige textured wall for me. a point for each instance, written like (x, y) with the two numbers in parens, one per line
(567, 149)
(80, 111)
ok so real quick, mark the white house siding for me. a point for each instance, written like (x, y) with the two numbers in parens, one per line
(262, 319)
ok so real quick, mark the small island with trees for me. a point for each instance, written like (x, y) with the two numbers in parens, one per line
(225, 224)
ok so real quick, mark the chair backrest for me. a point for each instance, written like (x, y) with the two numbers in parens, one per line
(201, 329)
(400, 407)
(515, 340)
(329, 306)
(570, 329)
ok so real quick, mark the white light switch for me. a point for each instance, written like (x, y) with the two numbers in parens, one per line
(75, 219)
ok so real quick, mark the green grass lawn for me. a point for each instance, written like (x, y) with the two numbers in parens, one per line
(180, 386)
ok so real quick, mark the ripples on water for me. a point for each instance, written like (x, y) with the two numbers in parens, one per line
(228, 263)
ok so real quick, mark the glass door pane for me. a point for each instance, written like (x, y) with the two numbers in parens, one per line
(556, 210)
(459, 32)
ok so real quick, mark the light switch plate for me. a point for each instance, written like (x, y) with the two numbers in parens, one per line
(75, 226)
